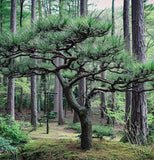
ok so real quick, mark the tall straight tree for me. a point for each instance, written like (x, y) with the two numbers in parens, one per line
(21, 11)
(102, 96)
(33, 78)
(126, 27)
(58, 97)
(1, 16)
(113, 19)
(83, 7)
(11, 83)
(82, 82)
(139, 104)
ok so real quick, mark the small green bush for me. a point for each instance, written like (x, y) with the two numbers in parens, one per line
(151, 133)
(12, 130)
(74, 126)
(5, 145)
(98, 131)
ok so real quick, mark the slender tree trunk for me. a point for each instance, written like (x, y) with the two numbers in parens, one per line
(21, 11)
(126, 26)
(82, 82)
(103, 99)
(78, 8)
(10, 99)
(58, 97)
(113, 20)
(139, 104)
(13, 16)
(111, 105)
(49, 6)
(20, 101)
(40, 9)
(1, 16)
(33, 79)
(11, 83)
(33, 102)
(83, 7)
(61, 114)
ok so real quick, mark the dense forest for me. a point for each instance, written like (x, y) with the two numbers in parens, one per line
(84, 78)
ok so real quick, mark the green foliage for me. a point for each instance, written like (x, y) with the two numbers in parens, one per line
(97, 130)
(12, 130)
(100, 131)
(48, 115)
(5, 145)
(74, 126)
(3, 97)
(69, 150)
(151, 133)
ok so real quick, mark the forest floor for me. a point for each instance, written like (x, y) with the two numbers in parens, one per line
(64, 144)
(59, 132)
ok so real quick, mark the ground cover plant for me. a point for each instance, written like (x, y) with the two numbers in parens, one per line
(69, 149)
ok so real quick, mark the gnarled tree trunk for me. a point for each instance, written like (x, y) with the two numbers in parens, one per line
(86, 130)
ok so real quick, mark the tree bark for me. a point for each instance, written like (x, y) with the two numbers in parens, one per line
(113, 20)
(84, 113)
(1, 15)
(58, 97)
(21, 11)
(20, 101)
(83, 7)
(10, 99)
(33, 8)
(33, 101)
(13, 16)
(139, 105)
(126, 27)
(40, 9)
(61, 114)
(103, 108)
(33, 78)
(11, 84)
(86, 130)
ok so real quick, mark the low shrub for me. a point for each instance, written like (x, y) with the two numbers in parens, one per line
(98, 131)
(12, 130)
(5, 146)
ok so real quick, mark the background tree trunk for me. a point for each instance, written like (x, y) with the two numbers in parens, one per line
(33, 79)
(20, 101)
(58, 97)
(139, 105)
(1, 16)
(40, 9)
(102, 96)
(113, 21)
(61, 114)
(11, 83)
(83, 7)
(21, 11)
(126, 27)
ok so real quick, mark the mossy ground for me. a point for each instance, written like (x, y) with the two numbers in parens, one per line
(61, 144)
(48, 149)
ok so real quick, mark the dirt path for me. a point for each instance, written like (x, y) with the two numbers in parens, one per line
(56, 132)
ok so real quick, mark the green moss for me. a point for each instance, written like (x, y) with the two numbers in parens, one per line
(70, 150)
